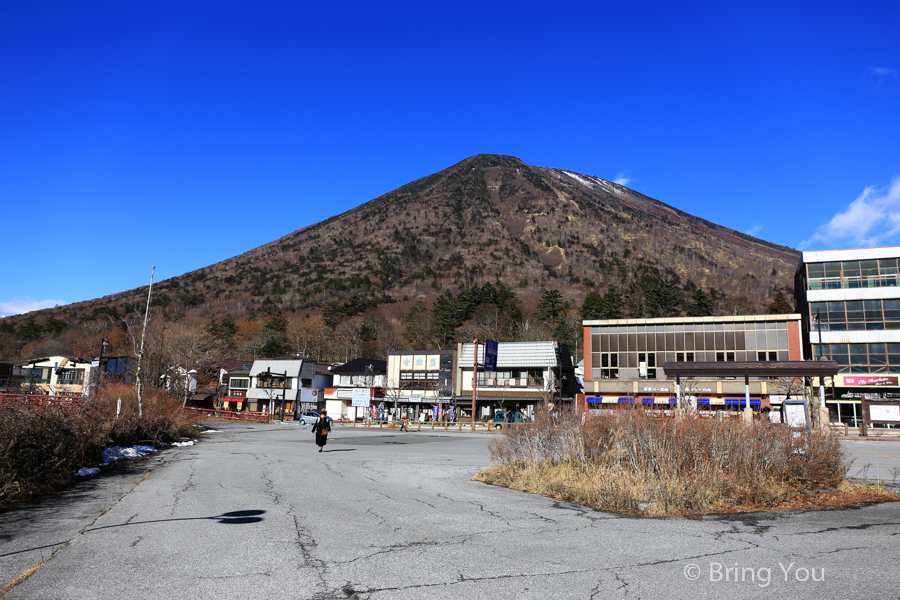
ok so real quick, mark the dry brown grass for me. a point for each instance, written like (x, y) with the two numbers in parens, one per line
(634, 463)
(40, 450)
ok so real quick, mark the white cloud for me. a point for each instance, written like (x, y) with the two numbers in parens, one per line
(17, 306)
(622, 180)
(873, 219)
(882, 74)
(754, 229)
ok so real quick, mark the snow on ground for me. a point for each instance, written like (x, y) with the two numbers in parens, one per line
(117, 453)
(579, 179)
(189, 443)
(111, 455)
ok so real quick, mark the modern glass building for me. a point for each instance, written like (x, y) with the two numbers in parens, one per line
(850, 304)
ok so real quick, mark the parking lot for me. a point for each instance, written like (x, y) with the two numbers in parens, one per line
(254, 511)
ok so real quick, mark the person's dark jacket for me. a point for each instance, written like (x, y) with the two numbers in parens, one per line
(321, 428)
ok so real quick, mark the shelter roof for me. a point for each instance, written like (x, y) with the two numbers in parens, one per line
(778, 368)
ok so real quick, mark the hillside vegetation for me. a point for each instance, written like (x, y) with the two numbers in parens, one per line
(475, 247)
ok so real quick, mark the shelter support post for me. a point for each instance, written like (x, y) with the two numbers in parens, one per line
(748, 412)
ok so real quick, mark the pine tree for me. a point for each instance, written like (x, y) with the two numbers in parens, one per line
(780, 305)
(551, 306)
(702, 305)
(594, 306)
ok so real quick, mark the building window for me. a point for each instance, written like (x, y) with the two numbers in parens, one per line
(853, 274)
(855, 315)
(69, 377)
(684, 356)
(239, 383)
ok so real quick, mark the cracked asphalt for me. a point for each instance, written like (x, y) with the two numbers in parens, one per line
(255, 512)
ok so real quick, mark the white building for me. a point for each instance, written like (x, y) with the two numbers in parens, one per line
(57, 375)
(850, 304)
(278, 385)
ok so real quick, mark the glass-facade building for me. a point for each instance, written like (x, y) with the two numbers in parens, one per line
(850, 305)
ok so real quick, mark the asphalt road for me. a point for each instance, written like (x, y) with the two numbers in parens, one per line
(256, 512)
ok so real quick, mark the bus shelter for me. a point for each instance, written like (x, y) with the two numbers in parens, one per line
(763, 370)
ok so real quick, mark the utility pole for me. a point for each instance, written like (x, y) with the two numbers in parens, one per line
(474, 381)
(140, 383)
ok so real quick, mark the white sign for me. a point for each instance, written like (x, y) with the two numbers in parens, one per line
(884, 413)
(415, 398)
(795, 415)
(361, 397)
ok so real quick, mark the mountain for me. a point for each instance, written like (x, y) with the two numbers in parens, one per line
(487, 219)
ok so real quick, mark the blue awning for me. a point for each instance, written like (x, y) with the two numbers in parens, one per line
(741, 401)
(626, 399)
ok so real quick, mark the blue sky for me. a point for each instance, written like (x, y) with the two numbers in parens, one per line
(179, 134)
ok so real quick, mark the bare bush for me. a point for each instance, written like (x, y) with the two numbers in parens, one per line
(40, 450)
(628, 458)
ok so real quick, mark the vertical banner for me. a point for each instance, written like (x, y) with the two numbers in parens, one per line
(490, 355)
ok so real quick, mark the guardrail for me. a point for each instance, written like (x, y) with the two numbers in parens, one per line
(489, 426)
(39, 401)
(232, 415)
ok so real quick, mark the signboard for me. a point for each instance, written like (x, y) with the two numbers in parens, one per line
(309, 396)
(360, 397)
(884, 412)
(856, 381)
(415, 397)
(490, 355)
(795, 414)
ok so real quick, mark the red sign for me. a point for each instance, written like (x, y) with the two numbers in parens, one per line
(870, 380)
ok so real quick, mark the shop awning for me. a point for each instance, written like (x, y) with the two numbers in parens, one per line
(657, 400)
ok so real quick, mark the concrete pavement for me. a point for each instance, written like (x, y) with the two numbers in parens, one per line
(256, 512)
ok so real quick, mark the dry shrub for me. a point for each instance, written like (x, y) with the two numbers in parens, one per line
(40, 450)
(631, 459)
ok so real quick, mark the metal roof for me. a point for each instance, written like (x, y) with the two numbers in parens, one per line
(515, 354)
(358, 365)
(291, 367)
(780, 368)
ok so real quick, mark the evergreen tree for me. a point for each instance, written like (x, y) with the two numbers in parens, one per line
(551, 307)
(663, 297)
(276, 323)
(613, 301)
(780, 305)
(702, 304)
(332, 313)
(594, 306)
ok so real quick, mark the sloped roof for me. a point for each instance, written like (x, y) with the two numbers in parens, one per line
(358, 365)
(291, 367)
(516, 354)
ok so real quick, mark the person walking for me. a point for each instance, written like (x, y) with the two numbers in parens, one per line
(321, 428)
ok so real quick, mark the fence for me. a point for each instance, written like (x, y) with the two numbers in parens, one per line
(39, 401)
(233, 415)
